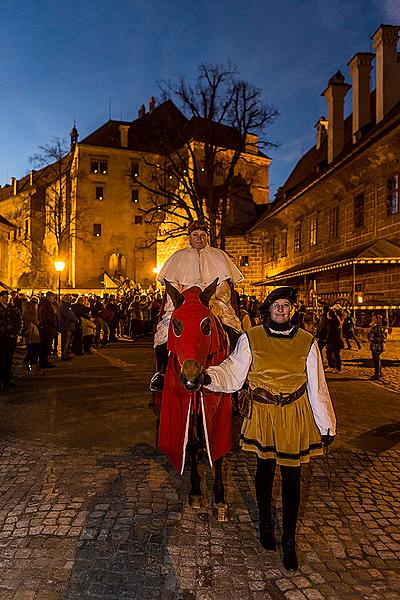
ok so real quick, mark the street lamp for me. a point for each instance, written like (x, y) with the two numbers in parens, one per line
(59, 267)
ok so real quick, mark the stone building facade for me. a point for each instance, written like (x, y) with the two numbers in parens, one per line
(87, 209)
(334, 229)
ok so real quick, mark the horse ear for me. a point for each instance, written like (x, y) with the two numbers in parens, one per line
(206, 295)
(176, 297)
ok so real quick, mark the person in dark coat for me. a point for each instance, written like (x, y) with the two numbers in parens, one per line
(67, 320)
(10, 326)
(377, 339)
(348, 329)
(334, 341)
(48, 329)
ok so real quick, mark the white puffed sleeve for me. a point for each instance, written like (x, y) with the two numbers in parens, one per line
(231, 374)
(318, 392)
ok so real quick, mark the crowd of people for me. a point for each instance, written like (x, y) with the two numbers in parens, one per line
(78, 322)
(70, 327)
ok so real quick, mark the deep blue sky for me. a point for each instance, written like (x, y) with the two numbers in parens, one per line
(63, 60)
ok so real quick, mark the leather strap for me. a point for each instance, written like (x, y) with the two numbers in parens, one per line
(265, 397)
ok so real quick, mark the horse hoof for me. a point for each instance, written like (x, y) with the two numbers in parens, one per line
(222, 512)
(195, 502)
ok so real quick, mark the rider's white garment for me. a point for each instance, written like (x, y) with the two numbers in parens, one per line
(189, 267)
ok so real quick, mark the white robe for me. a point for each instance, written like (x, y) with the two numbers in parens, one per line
(189, 267)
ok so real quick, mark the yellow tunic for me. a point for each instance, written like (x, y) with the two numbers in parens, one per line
(285, 433)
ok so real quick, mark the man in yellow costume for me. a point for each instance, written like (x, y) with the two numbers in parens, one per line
(292, 416)
(197, 265)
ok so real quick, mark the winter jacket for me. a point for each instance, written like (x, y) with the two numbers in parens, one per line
(66, 318)
(377, 338)
(47, 317)
(10, 321)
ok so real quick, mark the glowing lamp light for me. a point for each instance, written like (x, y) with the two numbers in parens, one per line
(59, 265)
(360, 298)
(157, 269)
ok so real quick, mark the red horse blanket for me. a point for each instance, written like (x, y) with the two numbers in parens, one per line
(177, 404)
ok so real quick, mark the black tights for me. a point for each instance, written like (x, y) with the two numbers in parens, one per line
(264, 482)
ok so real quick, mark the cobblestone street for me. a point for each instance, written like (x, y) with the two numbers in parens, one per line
(90, 509)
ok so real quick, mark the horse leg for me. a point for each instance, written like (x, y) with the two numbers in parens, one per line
(195, 496)
(219, 492)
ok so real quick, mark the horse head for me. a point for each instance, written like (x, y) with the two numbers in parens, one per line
(192, 334)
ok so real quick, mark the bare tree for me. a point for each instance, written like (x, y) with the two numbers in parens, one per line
(192, 174)
(51, 212)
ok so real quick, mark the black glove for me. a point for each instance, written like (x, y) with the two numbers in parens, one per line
(327, 440)
(206, 379)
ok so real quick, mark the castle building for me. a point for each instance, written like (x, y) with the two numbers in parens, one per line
(88, 208)
(333, 230)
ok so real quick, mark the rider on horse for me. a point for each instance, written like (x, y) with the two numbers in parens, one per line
(197, 265)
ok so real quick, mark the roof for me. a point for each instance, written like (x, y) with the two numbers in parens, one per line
(379, 252)
(312, 165)
(39, 178)
(5, 221)
(162, 130)
(144, 133)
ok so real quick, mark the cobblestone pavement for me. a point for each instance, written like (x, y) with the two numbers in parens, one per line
(359, 362)
(90, 509)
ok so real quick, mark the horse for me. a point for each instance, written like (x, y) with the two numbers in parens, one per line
(196, 340)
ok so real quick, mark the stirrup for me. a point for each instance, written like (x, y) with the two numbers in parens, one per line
(157, 382)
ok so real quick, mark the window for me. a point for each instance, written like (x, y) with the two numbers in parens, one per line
(297, 238)
(138, 219)
(244, 261)
(26, 229)
(135, 196)
(313, 230)
(359, 210)
(135, 168)
(99, 193)
(334, 223)
(97, 229)
(393, 195)
(19, 231)
(284, 243)
(98, 166)
(272, 249)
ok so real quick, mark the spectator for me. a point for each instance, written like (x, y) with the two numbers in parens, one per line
(88, 333)
(48, 328)
(103, 319)
(66, 325)
(31, 327)
(10, 326)
(348, 329)
(377, 339)
(80, 310)
(322, 328)
(334, 341)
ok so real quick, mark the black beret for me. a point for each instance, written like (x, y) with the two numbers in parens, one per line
(282, 293)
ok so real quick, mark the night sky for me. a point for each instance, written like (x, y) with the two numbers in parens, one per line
(64, 60)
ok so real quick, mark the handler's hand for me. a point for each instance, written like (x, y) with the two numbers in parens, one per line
(206, 379)
(327, 440)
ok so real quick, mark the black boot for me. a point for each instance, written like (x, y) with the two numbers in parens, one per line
(290, 507)
(264, 482)
(157, 381)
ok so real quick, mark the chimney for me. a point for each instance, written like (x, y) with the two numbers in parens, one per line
(13, 183)
(334, 95)
(123, 132)
(141, 111)
(360, 73)
(321, 127)
(251, 143)
(387, 69)
(152, 104)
